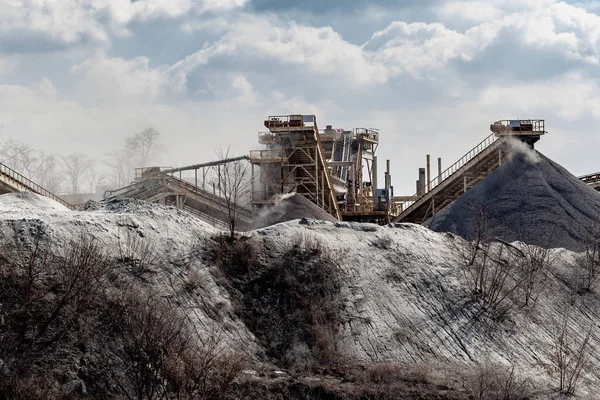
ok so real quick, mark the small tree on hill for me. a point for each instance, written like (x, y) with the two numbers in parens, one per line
(234, 188)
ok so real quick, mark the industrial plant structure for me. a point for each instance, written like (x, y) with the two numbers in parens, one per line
(336, 169)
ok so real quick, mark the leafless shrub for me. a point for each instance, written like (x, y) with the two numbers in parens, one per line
(587, 268)
(195, 280)
(496, 383)
(136, 252)
(534, 264)
(385, 373)
(46, 292)
(492, 268)
(382, 242)
(291, 303)
(571, 355)
(162, 357)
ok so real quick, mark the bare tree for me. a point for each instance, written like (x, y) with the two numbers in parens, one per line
(120, 167)
(144, 147)
(140, 150)
(21, 157)
(77, 169)
(571, 354)
(234, 188)
(48, 175)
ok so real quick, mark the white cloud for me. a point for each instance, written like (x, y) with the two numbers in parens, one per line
(468, 10)
(569, 30)
(245, 90)
(61, 22)
(69, 22)
(570, 97)
(320, 50)
(118, 79)
(418, 47)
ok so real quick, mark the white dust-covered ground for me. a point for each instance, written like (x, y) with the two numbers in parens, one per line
(406, 294)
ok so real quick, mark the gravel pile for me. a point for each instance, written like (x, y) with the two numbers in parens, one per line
(530, 199)
(28, 201)
(290, 207)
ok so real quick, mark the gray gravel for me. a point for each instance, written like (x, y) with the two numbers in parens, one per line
(530, 199)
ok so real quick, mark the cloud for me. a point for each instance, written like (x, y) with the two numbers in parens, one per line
(320, 50)
(320, 6)
(46, 25)
(118, 79)
(55, 23)
(570, 97)
(418, 47)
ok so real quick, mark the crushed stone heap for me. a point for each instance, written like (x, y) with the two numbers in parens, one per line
(530, 199)
(290, 207)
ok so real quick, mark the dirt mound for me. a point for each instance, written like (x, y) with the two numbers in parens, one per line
(290, 207)
(530, 199)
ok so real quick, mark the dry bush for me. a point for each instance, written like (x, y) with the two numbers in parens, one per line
(136, 253)
(535, 262)
(159, 354)
(498, 272)
(382, 242)
(571, 354)
(49, 294)
(491, 382)
(586, 270)
(291, 303)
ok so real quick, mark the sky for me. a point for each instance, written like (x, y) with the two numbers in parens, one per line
(431, 75)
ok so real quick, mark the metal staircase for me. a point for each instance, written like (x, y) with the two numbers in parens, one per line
(470, 169)
(12, 181)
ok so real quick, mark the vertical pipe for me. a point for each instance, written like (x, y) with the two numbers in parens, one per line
(422, 184)
(439, 171)
(196, 177)
(388, 184)
(374, 178)
(428, 173)
(387, 175)
(465, 183)
(252, 182)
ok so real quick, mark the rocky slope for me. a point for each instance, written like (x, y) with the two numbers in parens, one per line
(406, 294)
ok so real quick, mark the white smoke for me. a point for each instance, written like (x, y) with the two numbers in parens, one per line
(516, 146)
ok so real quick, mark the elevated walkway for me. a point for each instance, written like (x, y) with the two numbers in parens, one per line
(592, 180)
(469, 170)
(11, 181)
(160, 186)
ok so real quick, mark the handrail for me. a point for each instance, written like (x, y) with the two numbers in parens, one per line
(590, 177)
(450, 171)
(328, 176)
(31, 185)
(204, 193)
